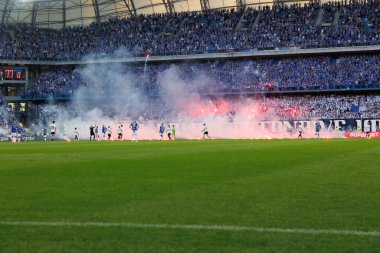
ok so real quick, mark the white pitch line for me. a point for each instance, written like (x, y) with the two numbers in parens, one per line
(18, 155)
(194, 227)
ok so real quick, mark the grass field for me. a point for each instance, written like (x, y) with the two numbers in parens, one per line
(191, 196)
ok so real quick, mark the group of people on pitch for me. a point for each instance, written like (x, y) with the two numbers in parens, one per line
(134, 126)
(170, 130)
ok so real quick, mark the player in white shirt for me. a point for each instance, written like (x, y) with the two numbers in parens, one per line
(169, 132)
(76, 134)
(367, 130)
(96, 132)
(109, 132)
(120, 132)
(300, 132)
(53, 130)
(205, 131)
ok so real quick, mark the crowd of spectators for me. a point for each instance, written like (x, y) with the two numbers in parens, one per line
(320, 107)
(238, 108)
(6, 115)
(282, 107)
(310, 25)
(303, 73)
(249, 75)
(60, 82)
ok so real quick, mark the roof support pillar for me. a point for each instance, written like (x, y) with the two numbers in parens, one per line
(279, 2)
(240, 4)
(64, 13)
(169, 6)
(129, 4)
(205, 5)
(34, 14)
(96, 9)
(5, 10)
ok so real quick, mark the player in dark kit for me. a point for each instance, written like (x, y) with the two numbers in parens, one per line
(162, 131)
(92, 133)
(317, 129)
(14, 132)
(19, 134)
(44, 132)
(104, 131)
(134, 126)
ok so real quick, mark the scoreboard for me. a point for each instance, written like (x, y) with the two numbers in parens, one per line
(12, 73)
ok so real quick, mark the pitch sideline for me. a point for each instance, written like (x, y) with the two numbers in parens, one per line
(194, 227)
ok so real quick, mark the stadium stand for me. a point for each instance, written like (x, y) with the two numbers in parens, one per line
(309, 25)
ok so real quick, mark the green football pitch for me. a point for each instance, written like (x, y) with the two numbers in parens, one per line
(191, 196)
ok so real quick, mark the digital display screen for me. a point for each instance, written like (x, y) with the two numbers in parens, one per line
(10, 73)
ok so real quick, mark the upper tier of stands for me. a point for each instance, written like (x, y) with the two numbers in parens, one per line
(310, 25)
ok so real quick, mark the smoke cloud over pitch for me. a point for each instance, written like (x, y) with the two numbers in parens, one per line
(114, 96)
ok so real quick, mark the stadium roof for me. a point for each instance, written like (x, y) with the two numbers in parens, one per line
(60, 13)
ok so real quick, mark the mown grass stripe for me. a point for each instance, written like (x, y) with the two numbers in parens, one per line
(194, 227)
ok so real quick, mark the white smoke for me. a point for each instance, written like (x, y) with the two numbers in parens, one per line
(108, 87)
(113, 96)
(3, 132)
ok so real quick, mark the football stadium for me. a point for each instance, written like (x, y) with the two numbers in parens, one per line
(189, 126)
